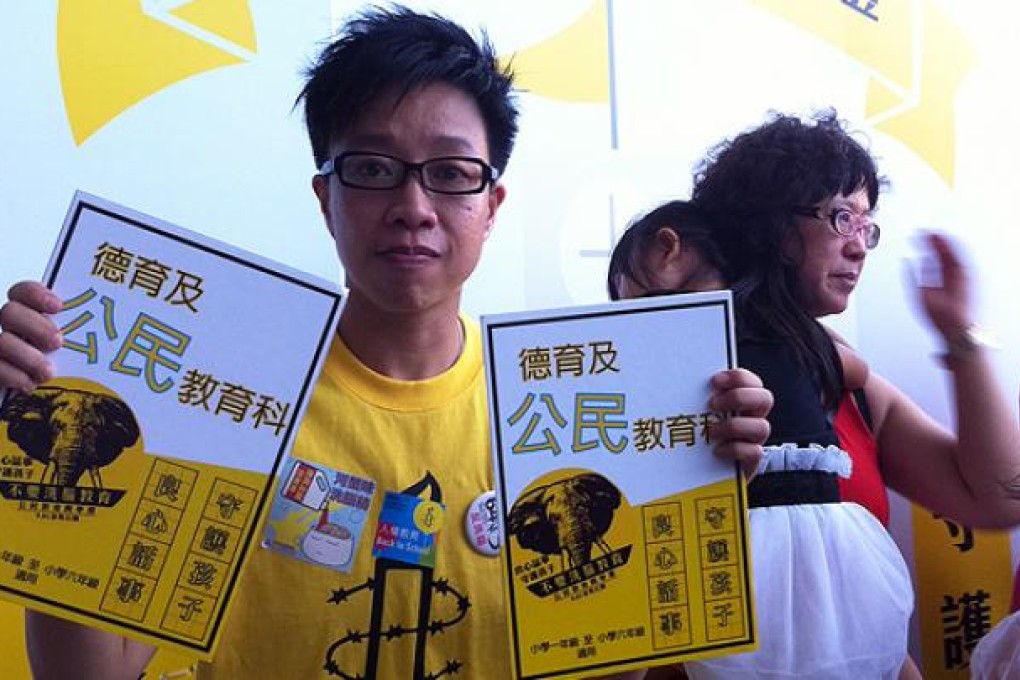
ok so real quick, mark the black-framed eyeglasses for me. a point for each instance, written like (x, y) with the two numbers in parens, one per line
(846, 222)
(453, 175)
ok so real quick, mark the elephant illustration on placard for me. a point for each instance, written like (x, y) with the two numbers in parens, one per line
(70, 431)
(566, 517)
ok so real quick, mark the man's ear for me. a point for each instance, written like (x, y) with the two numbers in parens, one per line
(320, 185)
(496, 197)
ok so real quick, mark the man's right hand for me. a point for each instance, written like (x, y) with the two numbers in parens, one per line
(56, 648)
(27, 334)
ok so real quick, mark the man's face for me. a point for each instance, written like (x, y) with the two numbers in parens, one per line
(407, 249)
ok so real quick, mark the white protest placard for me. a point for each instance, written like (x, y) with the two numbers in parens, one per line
(624, 535)
(133, 481)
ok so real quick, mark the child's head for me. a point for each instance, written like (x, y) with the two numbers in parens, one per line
(668, 250)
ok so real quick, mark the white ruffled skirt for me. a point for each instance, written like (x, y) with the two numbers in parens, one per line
(997, 654)
(833, 595)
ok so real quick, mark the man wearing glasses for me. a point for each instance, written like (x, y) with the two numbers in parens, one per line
(411, 123)
(450, 175)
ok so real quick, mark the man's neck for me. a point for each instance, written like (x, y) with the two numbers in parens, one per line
(403, 346)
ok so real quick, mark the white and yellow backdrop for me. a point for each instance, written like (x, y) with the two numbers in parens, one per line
(183, 109)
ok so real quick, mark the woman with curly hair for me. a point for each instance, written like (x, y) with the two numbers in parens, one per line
(794, 495)
(790, 204)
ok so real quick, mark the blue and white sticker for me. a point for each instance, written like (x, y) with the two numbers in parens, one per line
(408, 529)
(318, 515)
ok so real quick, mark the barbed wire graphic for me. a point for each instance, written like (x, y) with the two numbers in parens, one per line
(440, 587)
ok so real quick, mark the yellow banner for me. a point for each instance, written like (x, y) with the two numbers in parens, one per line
(572, 65)
(916, 58)
(964, 582)
(115, 53)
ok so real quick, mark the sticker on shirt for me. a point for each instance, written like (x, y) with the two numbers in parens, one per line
(408, 529)
(318, 515)
(481, 524)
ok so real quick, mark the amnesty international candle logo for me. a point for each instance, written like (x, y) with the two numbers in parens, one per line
(403, 551)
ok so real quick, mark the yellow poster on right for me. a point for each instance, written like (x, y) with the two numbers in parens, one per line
(964, 581)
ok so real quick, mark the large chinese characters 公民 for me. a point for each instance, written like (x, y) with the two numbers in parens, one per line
(599, 419)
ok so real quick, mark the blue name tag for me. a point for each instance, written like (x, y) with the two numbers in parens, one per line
(408, 529)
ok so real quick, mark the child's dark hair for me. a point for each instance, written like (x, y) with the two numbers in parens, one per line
(683, 218)
(396, 50)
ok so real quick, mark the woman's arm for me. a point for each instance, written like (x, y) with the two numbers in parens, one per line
(972, 476)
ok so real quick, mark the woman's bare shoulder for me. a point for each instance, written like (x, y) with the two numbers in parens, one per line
(855, 368)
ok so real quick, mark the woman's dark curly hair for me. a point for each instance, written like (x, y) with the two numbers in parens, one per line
(683, 219)
(749, 189)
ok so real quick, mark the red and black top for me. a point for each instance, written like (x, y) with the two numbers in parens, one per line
(799, 417)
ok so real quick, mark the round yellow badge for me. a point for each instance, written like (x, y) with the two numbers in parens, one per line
(428, 517)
